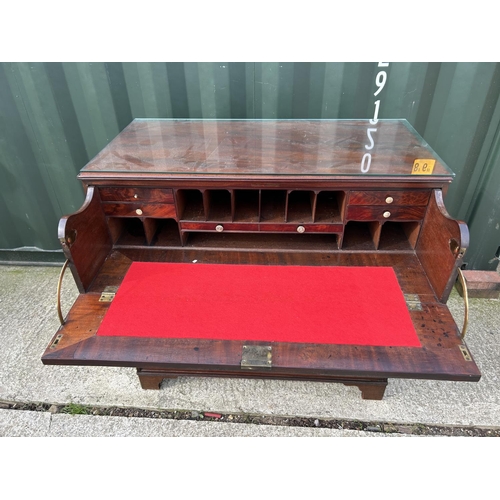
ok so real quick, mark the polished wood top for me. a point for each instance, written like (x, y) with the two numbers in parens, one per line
(231, 148)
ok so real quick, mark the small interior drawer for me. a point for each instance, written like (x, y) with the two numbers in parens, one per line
(151, 195)
(388, 197)
(139, 210)
(219, 227)
(362, 213)
(301, 228)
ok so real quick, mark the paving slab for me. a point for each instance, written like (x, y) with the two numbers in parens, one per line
(20, 423)
(15, 423)
(28, 320)
(92, 426)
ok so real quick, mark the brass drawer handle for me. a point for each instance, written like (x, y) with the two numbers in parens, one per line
(138, 211)
(301, 229)
(219, 228)
(386, 214)
(59, 283)
(389, 199)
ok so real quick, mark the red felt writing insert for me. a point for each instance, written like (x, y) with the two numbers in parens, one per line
(307, 304)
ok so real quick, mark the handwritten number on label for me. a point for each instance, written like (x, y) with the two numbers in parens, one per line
(416, 167)
(423, 166)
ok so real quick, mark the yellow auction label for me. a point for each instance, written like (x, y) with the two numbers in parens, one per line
(423, 166)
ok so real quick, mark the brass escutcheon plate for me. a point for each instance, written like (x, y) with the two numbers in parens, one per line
(256, 356)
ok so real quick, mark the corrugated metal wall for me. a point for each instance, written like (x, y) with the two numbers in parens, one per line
(54, 117)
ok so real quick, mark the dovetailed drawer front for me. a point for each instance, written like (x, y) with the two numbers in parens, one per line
(302, 228)
(412, 198)
(139, 210)
(360, 213)
(219, 226)
(137, 194)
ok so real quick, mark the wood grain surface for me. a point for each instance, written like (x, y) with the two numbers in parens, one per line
(441, 246)
(263, 147)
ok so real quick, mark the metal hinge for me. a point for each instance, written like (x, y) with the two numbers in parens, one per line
(465, 353)
(413, 301)
(58, 338)
(108, 294)
(256, 356)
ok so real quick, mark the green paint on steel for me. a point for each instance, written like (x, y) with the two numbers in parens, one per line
(54, 117)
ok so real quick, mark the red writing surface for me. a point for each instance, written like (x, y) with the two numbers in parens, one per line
(307, 304)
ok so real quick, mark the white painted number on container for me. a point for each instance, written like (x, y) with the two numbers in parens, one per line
(372, 142)
(380, 81)
(366, 162)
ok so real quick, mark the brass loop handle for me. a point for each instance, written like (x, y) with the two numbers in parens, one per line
(466, 301)
(59, 283)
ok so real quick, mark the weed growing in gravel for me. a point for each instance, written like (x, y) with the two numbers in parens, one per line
(75, 409)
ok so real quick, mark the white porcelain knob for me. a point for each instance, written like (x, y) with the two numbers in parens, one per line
(136, 196)
(138, 211)
(301, 229)
(389, 199)
(219, 228)
(386, 214)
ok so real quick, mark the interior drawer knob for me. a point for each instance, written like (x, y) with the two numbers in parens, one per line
(136, 196)
(301, 229)
(138, 211)
(386, 214)
(389, 199)
(219, 228)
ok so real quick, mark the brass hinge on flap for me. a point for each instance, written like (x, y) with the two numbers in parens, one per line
(56, 341)
(256, 356)
(108, 294)
(413, 301)
(465, 352)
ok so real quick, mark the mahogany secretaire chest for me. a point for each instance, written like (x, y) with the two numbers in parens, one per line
(306, 198)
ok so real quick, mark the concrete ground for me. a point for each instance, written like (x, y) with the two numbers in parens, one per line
(28, 320)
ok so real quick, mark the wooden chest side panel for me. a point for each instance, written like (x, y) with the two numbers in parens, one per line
(85, 239)
(441, 246)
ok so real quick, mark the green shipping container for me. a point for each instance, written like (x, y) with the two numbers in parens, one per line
(54, 117)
